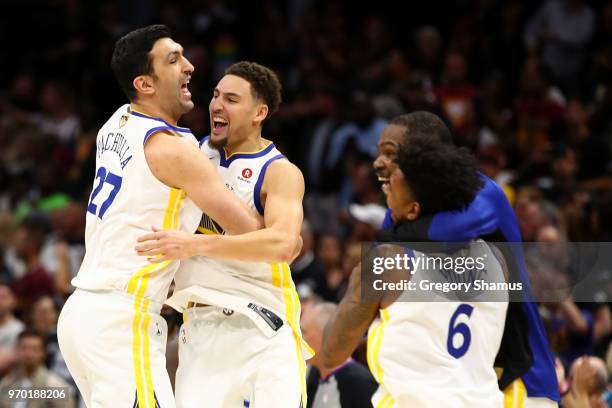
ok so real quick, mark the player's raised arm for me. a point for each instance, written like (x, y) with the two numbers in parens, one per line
(283, 187)
(180, 164)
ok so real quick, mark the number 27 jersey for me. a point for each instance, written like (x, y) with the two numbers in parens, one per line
(126, 200)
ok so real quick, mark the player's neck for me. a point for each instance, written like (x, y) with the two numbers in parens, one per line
(253, 143)
(150, 110)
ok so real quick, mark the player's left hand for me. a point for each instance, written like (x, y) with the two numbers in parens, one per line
(165, 245)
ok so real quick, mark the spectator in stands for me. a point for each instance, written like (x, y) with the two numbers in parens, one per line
(562, 30)
(58, 117)
(588, 378)
(537, 117)
(30, 373)
(28, 242)
(307, 270)
(456, 97)
(43, 318)
(10, 327)
(349, 385)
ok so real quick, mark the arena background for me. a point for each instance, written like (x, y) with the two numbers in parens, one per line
(526, 87)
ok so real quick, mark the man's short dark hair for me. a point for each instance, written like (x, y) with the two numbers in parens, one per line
(264, 82)
(131, 56)
(442, 177)
(31, 333)
(423, 124)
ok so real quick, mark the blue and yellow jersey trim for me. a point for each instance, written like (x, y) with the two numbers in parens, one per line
(165, 125)
(226, 160)
(145, 116)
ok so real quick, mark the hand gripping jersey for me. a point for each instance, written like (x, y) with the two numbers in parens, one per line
(126, 200)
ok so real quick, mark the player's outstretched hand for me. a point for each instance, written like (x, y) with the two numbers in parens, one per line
(166, 245)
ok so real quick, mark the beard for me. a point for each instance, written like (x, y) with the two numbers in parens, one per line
(219, 144)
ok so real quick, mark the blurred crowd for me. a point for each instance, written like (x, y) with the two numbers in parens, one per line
(526, 85)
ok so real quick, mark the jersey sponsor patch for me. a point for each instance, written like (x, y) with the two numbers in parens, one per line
(247, 173)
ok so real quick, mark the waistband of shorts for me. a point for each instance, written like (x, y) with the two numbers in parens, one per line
(147, 305)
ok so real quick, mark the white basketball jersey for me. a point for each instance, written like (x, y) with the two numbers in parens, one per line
(440, 353)
(233, 284)
(126, 200)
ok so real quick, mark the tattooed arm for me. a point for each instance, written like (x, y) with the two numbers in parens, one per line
(345, 329)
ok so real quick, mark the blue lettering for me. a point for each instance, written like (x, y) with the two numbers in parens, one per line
(125, 162)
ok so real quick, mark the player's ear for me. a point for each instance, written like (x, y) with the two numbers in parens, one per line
(413, 210)
(144, 84)
(262, 113)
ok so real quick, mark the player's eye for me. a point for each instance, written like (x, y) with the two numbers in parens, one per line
(390, 153)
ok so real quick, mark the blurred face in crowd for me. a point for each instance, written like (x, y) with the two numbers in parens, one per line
(593, 371)
(21, 243)
(235, 113)
(44, 315)
(400, 198)
(565, 167)
(51, 99)
(329, 251)
(170, 77)
(310, 330)
(390, 140)
(530, 217)
(455, 69)
(428, 44)
(30, 352)
(361, 179)
(312, 321)
(7, 300)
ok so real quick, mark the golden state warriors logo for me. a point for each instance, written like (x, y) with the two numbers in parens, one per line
(123, 120)
(209, 226)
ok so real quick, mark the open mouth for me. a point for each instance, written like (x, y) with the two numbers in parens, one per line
(185, 90)
(219, 123)
(384, 181)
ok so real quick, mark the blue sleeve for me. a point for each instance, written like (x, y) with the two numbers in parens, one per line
(490, 212)
(388, 221)
(481, 217)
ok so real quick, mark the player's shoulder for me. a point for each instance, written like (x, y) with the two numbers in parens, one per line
(145, 126)
(118, 119)
(163, 146)
(492, 193)
(283, 167)
(282, 175)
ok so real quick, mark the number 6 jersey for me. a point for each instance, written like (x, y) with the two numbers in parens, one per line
(126, 200)
(439, 353)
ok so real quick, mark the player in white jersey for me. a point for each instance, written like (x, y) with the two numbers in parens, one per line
(433, 353)
(149, 172)
(241, 343)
